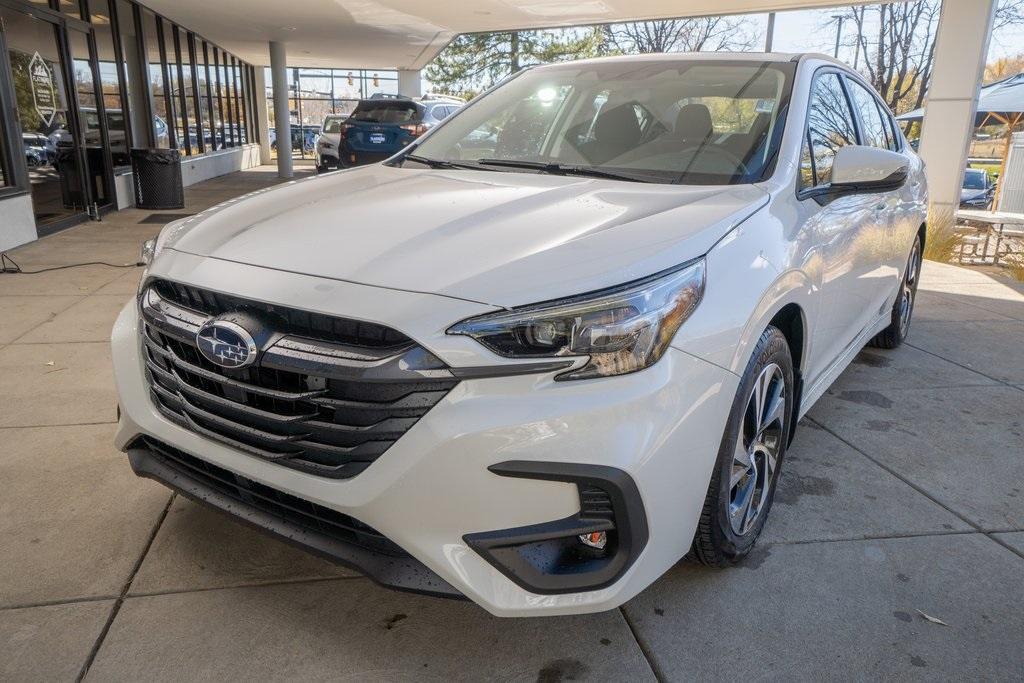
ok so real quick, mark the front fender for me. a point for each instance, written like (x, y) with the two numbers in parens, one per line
(744, 291)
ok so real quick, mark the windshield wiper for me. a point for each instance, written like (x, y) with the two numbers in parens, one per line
(563, 169)
(439, 163)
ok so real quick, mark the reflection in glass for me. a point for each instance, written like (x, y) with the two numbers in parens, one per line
(89, 109)
(156, 80)
(41, 102)
(829, 125)
(99, 17)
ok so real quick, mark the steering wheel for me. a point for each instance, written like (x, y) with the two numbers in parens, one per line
(721, 152)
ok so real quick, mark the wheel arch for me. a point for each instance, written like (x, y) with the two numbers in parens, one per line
(791, 321)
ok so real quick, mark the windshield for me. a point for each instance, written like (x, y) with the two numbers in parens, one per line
(671, 121)
(385, 111)
(974, 180)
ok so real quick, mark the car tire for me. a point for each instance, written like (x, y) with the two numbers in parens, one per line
(750, 457)
(903, 308)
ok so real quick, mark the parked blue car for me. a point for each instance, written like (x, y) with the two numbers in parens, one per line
(381, 126)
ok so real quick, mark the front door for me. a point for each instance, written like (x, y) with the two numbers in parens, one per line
(53, 84)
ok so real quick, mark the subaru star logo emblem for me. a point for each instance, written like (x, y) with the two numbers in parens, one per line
(226, 344)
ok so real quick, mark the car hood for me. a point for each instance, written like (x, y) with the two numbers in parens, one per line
(501, 238)
(968, 194)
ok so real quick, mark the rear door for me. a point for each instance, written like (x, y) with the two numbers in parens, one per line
(893, 246)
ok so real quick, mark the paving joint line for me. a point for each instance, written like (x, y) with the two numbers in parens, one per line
(879, 537)
(949, 296)
(977, 528)
(107, 341)
(124, 591)
(79, 298)
(266, 584)
(62, 424)
(644, 649)
(965, 367)
(52, 603)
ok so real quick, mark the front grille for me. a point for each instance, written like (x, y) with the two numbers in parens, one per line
(310, 516)
(310, 402)
(287, 320)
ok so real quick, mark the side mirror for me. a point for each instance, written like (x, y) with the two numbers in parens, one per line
(858, 168)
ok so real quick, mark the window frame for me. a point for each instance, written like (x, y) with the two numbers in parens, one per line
(888, 120)
(817, 192)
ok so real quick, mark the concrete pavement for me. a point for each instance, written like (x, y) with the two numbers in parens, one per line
(901, 497)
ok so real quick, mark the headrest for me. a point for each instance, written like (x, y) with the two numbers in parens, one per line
(693, 123)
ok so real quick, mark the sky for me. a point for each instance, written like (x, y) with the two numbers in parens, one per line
(809, 31)
(814, 31)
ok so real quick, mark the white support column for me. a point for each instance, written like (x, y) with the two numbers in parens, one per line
(262, 115)
(282, 116)
(409, 83)
(965, 27)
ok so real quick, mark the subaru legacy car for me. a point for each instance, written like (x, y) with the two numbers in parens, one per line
(381, 126)
(573, 346)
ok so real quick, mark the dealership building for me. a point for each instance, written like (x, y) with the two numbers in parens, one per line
(83, 82)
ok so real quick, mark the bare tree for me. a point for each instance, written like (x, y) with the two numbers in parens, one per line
(680, 35)
(897, 43)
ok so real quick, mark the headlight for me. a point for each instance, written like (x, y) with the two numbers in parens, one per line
(148, 251)
(169, 234)
(623, 329)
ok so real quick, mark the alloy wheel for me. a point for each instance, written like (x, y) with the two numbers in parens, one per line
(758, 446)
(909, 288)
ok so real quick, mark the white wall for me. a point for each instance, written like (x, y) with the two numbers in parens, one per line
(18, 224)
(212, 164)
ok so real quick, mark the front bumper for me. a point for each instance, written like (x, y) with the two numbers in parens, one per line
(439, 492)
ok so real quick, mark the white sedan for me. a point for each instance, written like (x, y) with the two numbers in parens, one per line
(548, 349)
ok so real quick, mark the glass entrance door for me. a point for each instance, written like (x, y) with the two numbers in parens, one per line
(92, 111)
(66, 150)
(51, 149)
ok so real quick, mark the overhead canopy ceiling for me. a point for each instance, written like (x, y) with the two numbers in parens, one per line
(407, 34)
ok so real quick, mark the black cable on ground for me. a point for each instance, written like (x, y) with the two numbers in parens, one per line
(13, 268)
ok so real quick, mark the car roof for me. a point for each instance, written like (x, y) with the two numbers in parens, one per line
(683, 57)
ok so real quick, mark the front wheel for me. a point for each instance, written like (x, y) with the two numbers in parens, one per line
(750, 457)
(903, 308)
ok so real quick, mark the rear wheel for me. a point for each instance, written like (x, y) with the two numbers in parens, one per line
(903, 308)
(750, 457)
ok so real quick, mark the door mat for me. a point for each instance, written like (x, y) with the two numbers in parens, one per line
(161, 218)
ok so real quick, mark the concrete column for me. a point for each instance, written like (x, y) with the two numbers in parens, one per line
(965, 27)
(262, 118)
(409, 83)
(282, 117)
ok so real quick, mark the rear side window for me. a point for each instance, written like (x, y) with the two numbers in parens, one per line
(875, 130)
(386, 111)
(829, 127)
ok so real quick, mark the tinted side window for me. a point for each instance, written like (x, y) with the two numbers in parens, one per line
(895, 139)
(829, 127)
(873, 133)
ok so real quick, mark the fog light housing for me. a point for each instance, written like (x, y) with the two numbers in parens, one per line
(586, 551)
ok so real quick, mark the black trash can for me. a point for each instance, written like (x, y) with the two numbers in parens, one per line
(158, 179)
